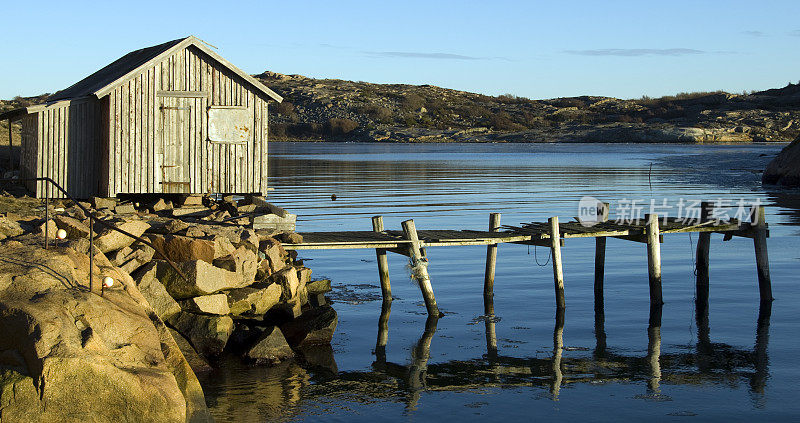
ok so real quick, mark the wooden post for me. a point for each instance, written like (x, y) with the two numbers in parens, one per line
(654, 259)
(383, 262)
(491, 263)
(555, 249)
(702, 261)
(383, 331)
(759, 223)
(419, 265)
(600, 261)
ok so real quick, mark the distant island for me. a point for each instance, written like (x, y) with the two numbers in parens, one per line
(340, 110)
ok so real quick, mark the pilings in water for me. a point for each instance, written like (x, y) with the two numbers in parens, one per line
(552, 234)
(653, 258)
(758, 223)
(491, 262)
(383, 262)
(419, 266)
(599, 277)
(555, 251)
(488, 289)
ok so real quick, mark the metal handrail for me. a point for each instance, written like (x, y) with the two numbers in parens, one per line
(92, 219)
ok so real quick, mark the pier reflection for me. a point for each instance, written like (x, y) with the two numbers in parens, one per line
(708, 363)
(412, 377)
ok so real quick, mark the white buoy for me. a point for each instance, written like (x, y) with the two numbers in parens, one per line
(61, 234)
(108, 282)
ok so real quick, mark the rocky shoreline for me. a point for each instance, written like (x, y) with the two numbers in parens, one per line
(131, 350)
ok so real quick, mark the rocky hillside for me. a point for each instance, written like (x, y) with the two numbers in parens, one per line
(358, 111)
(339, 110)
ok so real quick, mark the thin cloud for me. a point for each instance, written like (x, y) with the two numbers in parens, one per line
(795, 33)
(632, 52)
(417, 55)
(754, 33)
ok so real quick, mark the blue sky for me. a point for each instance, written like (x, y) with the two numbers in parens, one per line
(534, 49)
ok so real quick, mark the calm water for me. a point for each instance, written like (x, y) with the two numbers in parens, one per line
(736, 368)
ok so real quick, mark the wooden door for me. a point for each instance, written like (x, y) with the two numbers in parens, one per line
(176, 132)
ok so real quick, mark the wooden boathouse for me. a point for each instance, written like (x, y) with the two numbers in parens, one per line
(172, 118)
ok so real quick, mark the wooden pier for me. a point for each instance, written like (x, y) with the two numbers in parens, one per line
(552, 234)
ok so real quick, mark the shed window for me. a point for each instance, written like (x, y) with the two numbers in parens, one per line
(229, 124)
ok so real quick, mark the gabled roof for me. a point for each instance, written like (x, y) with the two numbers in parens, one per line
(130, 65)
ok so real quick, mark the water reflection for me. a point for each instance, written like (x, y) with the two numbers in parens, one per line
(707, 363)
(412, 376)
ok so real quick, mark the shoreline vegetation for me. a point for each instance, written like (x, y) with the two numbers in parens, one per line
(356, 111)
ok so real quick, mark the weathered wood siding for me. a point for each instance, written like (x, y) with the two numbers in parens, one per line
(65, 147)
(171, 99)
(28, 148)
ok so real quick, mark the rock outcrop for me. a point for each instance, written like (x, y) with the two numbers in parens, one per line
(784, 169)
(68, 354)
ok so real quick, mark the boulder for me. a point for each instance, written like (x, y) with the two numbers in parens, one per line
(274, 252)
(207, 334)
(125, 209)
(270, 348)
(141, 255)
(222, 246)
(784, 169)
(103, 203)
(199, 278)
(70, 355)
(195, 232)
(191, 200)
(159, 205)
(320, 286)
(118, 257)
(290, 238)
(207, 304)
(174, 226)
(249, 239)
(48, 229)
(251, 301)
(195, 360)
(315, 326)
(147, 280)
(181, 248)
(193, 211)
(76, 212)
(9, 228)
(246, 208)
(243, 262)
(74, 227)
(110, 240)
(287, 279)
